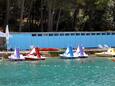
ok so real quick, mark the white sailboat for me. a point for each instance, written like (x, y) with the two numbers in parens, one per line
(16, 56)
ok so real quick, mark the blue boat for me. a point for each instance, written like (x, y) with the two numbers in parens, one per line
(68, 54)
(80, 52)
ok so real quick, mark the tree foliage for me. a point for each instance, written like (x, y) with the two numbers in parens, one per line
(58, 15)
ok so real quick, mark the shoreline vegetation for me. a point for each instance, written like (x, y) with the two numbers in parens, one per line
(55, 15)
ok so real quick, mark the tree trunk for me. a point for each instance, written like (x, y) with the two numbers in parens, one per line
(29, 19)
(7, 14)
(42, 29)
(57, 24)
(50, 14)
(74, 19)
(21, 16)
(49, 18)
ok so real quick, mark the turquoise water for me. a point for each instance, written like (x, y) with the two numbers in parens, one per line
(58, 72)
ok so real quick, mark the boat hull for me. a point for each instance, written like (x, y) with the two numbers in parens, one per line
(16, 59)
(82, 56)
(64, 57)
(104, 55)
(34, 59)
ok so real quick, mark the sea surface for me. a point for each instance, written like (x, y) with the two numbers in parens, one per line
(58, 72)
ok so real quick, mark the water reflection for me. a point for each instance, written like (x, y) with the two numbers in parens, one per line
(79, 61)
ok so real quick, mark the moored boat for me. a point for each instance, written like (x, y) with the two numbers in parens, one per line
(80, 52)
(68, 54)
(16, 56)
(109, 53)
(34, 55)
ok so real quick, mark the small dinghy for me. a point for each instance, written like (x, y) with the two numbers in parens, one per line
(16, 56)
(34, 55)
(79, 53)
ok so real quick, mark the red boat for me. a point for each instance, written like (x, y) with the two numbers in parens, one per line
(49, 49)
(34, 55)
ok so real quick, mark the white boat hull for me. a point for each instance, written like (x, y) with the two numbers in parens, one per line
(104, 55)
(71, 57)
(14, 58)
(32, 58)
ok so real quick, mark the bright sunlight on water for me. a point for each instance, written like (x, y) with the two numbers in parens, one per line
(58, 72)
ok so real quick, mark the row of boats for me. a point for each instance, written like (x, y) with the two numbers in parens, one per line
(69, 53)
(35, 54)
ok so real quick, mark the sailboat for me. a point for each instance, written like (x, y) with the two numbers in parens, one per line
(34, 55)
(68, 54)
(80, 52)
(16, 56)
